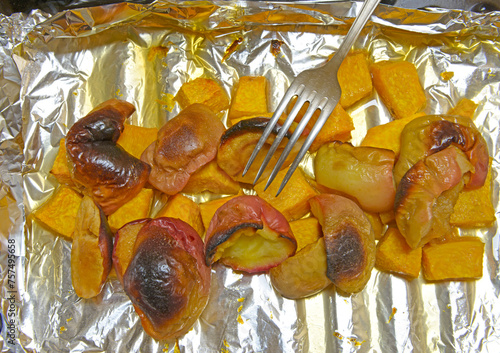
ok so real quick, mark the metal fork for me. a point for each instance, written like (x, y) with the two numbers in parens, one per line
(320, 88)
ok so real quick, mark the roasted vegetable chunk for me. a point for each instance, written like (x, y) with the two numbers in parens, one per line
(349, 241)
(248, 234)
(91, 251)
(250, 97)
(211, 178)
(354, 78)
(364, 173)
(184, 144)
(105, 170)
(204, 91)
(60, 167)
(137, 208)
(167, 279)
(185, 209)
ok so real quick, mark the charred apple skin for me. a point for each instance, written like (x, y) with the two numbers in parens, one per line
(349, 241)
(167, 279)
(251, 213)
(185, 143)
(91, 250)
(106, 172)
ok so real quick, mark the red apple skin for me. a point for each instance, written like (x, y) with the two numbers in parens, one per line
(246, 211)
(167, 279)
(349, 241)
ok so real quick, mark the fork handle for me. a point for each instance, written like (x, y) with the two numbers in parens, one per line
(358, 24)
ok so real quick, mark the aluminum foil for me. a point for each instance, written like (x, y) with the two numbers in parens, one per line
(55, 71)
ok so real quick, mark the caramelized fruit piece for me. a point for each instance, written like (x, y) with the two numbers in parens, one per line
(429, 134)
(426, 195)
(248, 234)
(91, 251)
(184, 144)
(167, 279)
(364, 173)
(302, 274)
(107, 172)
(459, 259)
(238, 142)
(349, 241)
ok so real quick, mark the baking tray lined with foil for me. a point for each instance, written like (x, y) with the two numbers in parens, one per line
(143, 54)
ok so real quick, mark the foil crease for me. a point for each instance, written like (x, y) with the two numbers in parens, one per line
(57, 68)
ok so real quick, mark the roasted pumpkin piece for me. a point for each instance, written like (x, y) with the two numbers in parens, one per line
(136, 208)
(426, 195)
(185, 209)
(303, 274)
(208, 208)
(395, 256)
(123, 249)
(59, 212)
(354, 78)
(135, 139)
(60, 167)
(248, 234)
(105, 170)
(204, 91)
(185, 143)
(364, 173)
(465, 108)
(455, 260)
(399, 87)
(388, 135)
(167, 279)
(238, 143)
(474, 208)
(211, 178)
(293, 201)
(91, 250)
(250, 97)
(377, 224)
(349, 241)
(306, 231)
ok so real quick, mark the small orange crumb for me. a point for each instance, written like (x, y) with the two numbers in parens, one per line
(447, 75)
(392, 314)
(240, 319)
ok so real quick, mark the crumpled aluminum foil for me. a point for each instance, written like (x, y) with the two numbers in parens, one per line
(66, 65)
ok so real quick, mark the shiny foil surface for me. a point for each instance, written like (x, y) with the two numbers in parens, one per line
(55, 69)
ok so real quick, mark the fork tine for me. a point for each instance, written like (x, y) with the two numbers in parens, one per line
(313, 106)
(292, 91)
(323, 117)
(301, 99)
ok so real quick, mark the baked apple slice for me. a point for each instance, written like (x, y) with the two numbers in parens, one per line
(238, 143)
(349, 241)
(91, 250)
(364, 173)
(97, 164)
(248, 234)
(167, 279)
(185, 143)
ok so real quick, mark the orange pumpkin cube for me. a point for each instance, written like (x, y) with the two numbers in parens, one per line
(204, 91)
(354, 78)
(250, 97)
(399, 87)
(306, 231)
(60, 167)
(395, 256)
(137, 208)
(59, 212)
(465, 107)
(454, 260)
(293, 201)
(134, 139)
(211, 178)
(185, 209)
(207, 209)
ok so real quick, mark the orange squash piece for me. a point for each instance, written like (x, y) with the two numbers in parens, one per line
(377, 224)
(207, 209)
(137, 208)
(60, 167)
(465, 107)
(354, 78)
(293, 201)
(250, 97)
(399, 87)
(211, 178)
(185, 209)
(204, 91)
(306, 231)
(455, 260)
(59, 212)
(134, 139)
(395, 256)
